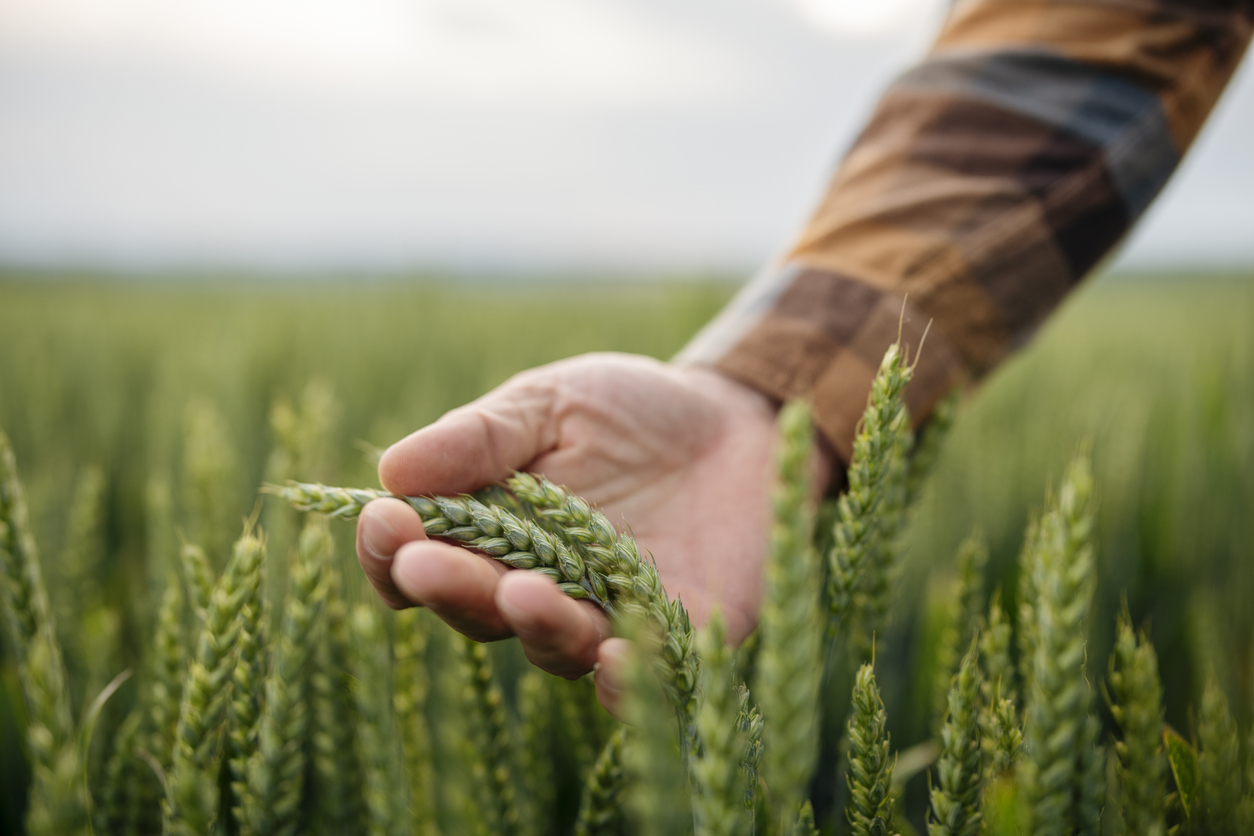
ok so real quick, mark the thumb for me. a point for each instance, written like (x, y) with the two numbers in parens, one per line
(475, 445)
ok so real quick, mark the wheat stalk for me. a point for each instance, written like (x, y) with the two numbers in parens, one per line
(143, 745)
(790, 661)
(536, 749)
(1136, 703)
(210, 477)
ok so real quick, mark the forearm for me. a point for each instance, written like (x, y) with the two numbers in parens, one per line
(990, 180)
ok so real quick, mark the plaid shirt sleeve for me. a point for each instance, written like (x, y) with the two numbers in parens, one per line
(991, 178)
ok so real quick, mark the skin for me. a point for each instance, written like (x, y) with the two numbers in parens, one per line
(680, 455)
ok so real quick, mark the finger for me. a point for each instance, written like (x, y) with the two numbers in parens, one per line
(613, 656)
(475, 445)
(384, 526)
(557, 633)
(457, 585)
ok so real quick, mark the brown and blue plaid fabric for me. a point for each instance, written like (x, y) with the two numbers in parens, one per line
(991, 179)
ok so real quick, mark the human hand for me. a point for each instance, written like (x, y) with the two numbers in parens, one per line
(681, 455)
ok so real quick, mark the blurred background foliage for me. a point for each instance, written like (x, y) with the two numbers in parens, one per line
(147, 392)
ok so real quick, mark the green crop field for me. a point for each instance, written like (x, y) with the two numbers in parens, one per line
(144, 415)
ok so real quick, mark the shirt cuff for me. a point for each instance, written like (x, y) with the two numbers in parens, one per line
(799, 331)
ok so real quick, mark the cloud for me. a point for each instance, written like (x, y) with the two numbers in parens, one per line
(865, 18)
(387, 133)
(542, 51)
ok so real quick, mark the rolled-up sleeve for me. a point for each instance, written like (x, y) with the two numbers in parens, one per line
(990, 180)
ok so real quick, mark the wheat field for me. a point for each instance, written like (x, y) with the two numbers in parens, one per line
(144, 415)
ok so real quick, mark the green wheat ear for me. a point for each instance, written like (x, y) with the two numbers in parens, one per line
(968, 615)
(955, 796)
(122, 801)
(131, 791)
(931, 442)
(59, 802)
(244, 710)
(1245, 810)
(211, 478)
(198, 575)
(657, 800)
(860, 562)
(1000, 728)
(790, 652)
(492, 737)
(1218, 761)
(168, 668)
(995, 639)
(1136, 696)
(558, 535)
(275, 772)
(336, 773)
(382, 762)
(718, 798)
(1064, 774)
(409, 700)
(91, 648)
(870, 776)
(600, 809)
(805, 821)
(191, 805)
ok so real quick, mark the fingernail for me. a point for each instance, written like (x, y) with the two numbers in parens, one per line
(605, 681)
(606, 675)
(374, 524)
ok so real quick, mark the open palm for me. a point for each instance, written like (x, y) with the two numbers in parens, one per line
(678, 455)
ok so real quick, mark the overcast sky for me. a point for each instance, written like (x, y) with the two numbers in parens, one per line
(670, 135)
